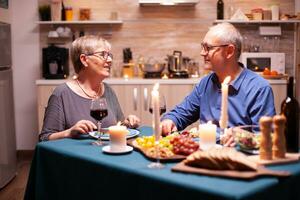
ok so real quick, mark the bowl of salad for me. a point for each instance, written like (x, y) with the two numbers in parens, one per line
(247, 137)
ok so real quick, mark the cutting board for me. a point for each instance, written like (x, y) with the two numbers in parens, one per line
(174, 158)
(289, 158)
(262, 171)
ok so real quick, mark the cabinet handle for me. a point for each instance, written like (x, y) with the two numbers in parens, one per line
(145, 99)
(135, 94)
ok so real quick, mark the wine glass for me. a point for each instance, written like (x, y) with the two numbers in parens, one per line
(162, 109)
(98, 111)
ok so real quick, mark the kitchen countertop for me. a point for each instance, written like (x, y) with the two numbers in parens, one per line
(132, 81)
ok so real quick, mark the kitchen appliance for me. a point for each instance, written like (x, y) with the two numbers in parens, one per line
(7, 122)
(55, 62)
(176, 67)
(258, 61)
(152, 68)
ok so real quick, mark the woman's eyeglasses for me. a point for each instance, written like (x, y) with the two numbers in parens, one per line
(101, 54)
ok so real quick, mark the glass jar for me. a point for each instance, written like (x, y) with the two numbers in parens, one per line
(69, 13)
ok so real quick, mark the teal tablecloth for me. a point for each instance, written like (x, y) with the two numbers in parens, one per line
(75, 169)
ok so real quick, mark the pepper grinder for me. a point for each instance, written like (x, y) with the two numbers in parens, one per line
(279, 148)
(265, 149)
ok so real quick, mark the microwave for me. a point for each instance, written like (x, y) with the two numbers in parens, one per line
(258, 61)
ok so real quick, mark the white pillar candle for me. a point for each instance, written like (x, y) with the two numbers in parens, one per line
(224, 106)
(117, 136)
(155, 113)
(207, 135)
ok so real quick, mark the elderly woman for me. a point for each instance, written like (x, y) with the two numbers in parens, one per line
(68, 111)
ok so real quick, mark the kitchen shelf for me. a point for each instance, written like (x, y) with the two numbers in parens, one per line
(168, 2)
(259, 21)
(98, 22)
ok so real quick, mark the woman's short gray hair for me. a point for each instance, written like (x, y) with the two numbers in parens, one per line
(228, 34)
(86, 45)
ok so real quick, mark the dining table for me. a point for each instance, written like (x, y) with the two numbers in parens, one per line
(76, 169)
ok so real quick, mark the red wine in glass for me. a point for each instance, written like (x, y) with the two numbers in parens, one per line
(99, 114)
(162, 110)
(98, 111)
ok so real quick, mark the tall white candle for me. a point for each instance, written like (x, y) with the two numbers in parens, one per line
(207, 135)
(224, 106)
(155, 113)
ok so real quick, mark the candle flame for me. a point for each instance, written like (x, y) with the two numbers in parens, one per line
(156, 86)
(119, 123)
(209, 122)
(227, 80)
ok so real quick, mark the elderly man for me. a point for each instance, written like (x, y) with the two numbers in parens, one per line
(250, 96)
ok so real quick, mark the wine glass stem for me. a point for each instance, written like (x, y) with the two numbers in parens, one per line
(157, 151)
(222, 139)
(99, 131)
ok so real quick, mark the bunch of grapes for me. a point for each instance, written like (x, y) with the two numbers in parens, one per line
(184, 145)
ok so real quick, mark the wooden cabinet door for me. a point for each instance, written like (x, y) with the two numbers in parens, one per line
(175, 94)
(145, 95)
(43, 94)
(279, 91)
(129, 98)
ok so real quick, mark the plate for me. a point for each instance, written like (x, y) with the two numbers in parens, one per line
(249, 151)
(279, 76)
(107, 149)
(132, 133)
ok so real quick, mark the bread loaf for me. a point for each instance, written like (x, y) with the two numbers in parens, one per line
(225, 158)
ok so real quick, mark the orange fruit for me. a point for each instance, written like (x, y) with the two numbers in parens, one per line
(266, 71)
(274, 73)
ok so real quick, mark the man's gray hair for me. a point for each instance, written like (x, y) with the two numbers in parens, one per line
(228, 34)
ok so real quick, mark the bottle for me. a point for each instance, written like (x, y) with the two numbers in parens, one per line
(220, 9)
(63, 11)
(290, 109)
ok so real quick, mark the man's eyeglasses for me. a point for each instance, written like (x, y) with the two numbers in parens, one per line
(101, 54)
(206, 47)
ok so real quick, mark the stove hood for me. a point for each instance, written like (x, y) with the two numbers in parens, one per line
(168, 2)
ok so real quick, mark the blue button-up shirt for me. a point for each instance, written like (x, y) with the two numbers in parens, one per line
(250, 97)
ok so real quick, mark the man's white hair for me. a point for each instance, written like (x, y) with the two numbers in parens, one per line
(228, 34)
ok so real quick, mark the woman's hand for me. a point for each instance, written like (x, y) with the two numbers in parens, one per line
(132, 121)
(167, 126)
(81, 127)
(227, 139)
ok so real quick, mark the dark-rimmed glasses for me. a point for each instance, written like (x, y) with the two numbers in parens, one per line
(206, 47)
(101, 54)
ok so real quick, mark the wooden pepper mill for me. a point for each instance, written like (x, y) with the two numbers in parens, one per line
(279, 146)
(265, 149)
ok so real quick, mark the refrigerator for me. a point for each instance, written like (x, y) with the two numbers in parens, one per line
(8, 158)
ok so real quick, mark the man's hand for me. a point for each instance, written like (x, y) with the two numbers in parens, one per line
(167, 126)
(132, 121)
(227, 138)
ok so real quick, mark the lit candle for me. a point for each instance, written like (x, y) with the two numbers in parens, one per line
(117, 136)
(207, 135)
(155, 113)
(224, 106)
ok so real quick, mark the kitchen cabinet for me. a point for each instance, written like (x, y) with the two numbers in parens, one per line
(43, 94)
(134, 94)
(134, 99)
